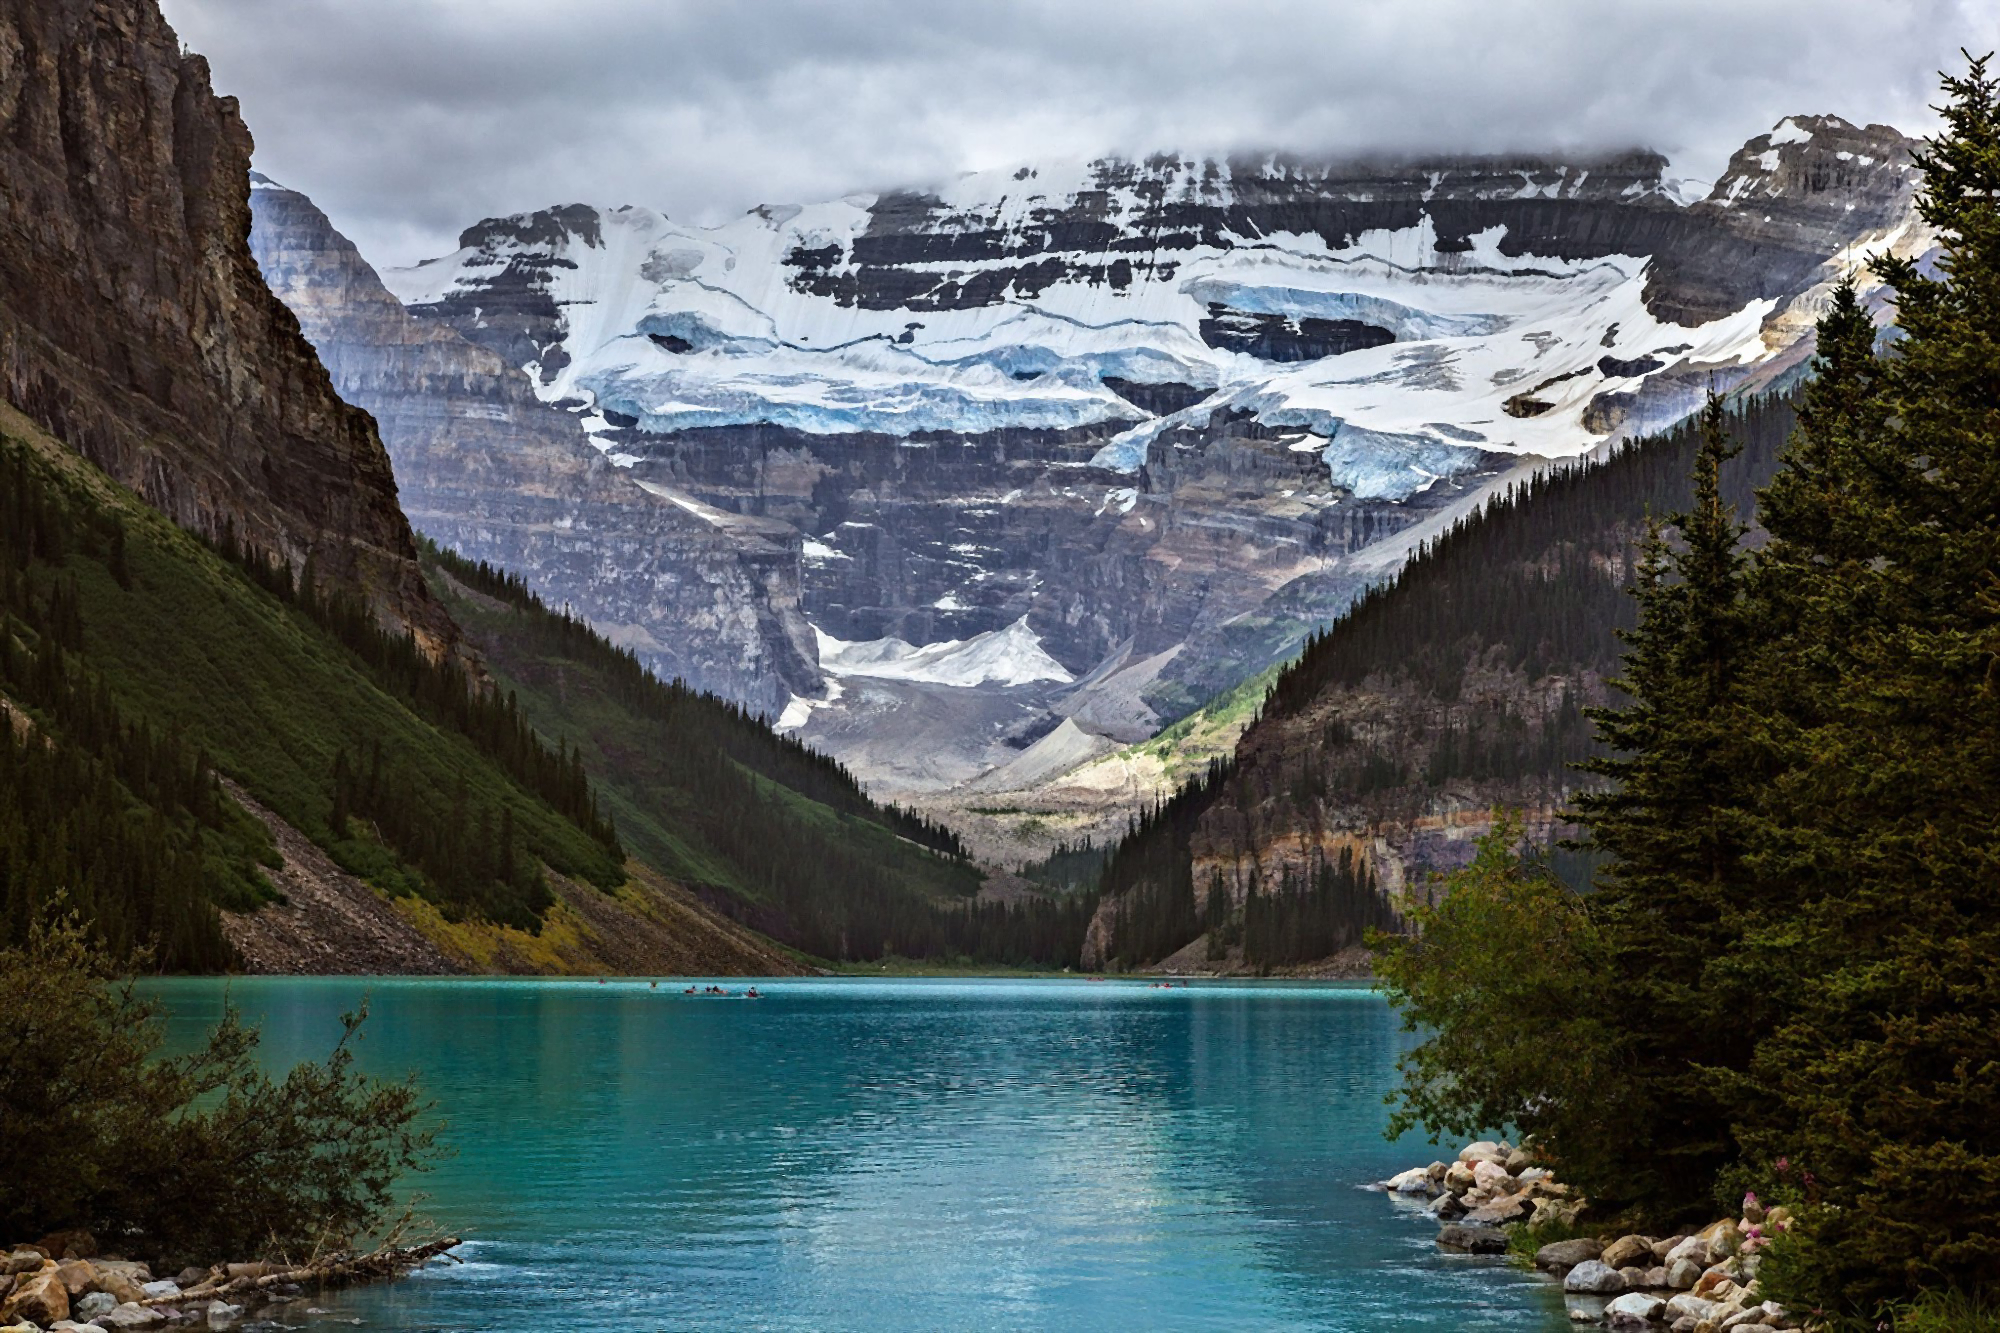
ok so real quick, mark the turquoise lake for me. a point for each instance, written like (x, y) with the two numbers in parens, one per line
(912, 1154)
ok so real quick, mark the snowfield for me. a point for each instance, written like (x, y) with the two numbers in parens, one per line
(678, 326)
(1010, 656)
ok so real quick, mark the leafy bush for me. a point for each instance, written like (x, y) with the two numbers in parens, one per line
(1494, 972)
(197, 1158)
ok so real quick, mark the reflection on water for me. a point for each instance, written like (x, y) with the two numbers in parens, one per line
(847, 1153)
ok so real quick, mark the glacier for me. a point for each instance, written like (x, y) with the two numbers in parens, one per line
(984, 442)
(674, 327)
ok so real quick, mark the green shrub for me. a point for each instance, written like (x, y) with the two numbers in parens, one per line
(1495, 972)
(198, 1158)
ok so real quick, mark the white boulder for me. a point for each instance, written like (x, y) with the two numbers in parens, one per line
(1593, 1277)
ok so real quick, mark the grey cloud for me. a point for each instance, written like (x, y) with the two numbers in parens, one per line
(408, 119)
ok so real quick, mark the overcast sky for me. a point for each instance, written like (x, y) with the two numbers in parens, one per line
(409, 119)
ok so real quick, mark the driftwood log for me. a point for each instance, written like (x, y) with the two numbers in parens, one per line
(331, 1271)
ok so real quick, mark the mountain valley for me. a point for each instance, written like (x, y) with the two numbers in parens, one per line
(978, 490)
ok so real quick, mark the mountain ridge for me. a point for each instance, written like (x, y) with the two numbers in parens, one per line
(207, 587)
(483, 465)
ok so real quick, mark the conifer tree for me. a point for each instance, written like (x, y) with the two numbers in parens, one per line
(1673, 824)
(1885, 1084)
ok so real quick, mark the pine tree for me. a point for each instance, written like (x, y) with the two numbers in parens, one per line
(1672, 823)
(1886, 570)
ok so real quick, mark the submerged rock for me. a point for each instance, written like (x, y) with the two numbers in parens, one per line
(1473, 1239)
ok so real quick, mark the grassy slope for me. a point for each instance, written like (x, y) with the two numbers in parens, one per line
(1211, 731)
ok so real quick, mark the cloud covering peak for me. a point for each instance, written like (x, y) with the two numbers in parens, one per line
(408, 119)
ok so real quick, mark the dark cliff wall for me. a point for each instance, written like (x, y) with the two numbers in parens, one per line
(494, 473)
(135, 326)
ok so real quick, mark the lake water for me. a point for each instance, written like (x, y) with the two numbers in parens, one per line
(910, 1154)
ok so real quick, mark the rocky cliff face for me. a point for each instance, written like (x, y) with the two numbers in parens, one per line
(488, 469)
(134, 324)
(1091, 443)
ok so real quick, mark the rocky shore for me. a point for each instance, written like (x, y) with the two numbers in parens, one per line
(1494, 1197)
(78, 1293)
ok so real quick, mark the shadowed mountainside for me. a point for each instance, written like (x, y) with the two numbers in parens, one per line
(135, 326)
(1454, 692)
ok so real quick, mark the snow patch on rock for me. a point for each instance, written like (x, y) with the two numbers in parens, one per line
(1010, 656)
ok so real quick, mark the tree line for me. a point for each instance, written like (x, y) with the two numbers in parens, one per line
(705, 717)
(438, 688)
(767, 831)
(1475, 667)
(120, 822)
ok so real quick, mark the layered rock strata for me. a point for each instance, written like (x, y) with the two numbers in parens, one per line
(135, 326)
(1150, 422)
(708, 596)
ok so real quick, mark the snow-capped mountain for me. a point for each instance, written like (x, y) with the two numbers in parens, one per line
(1400, 319)
(483, 466)
(1145, 421)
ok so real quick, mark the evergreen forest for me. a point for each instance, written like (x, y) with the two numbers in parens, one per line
(1470, 672)
(141, 667)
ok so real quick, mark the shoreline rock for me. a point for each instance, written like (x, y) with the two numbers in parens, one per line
(82, 1293)
(1703, 1282)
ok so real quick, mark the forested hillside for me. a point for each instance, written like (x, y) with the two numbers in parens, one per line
(1783, 984)
(767, 830)
(140, 664)
(1459, 687)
